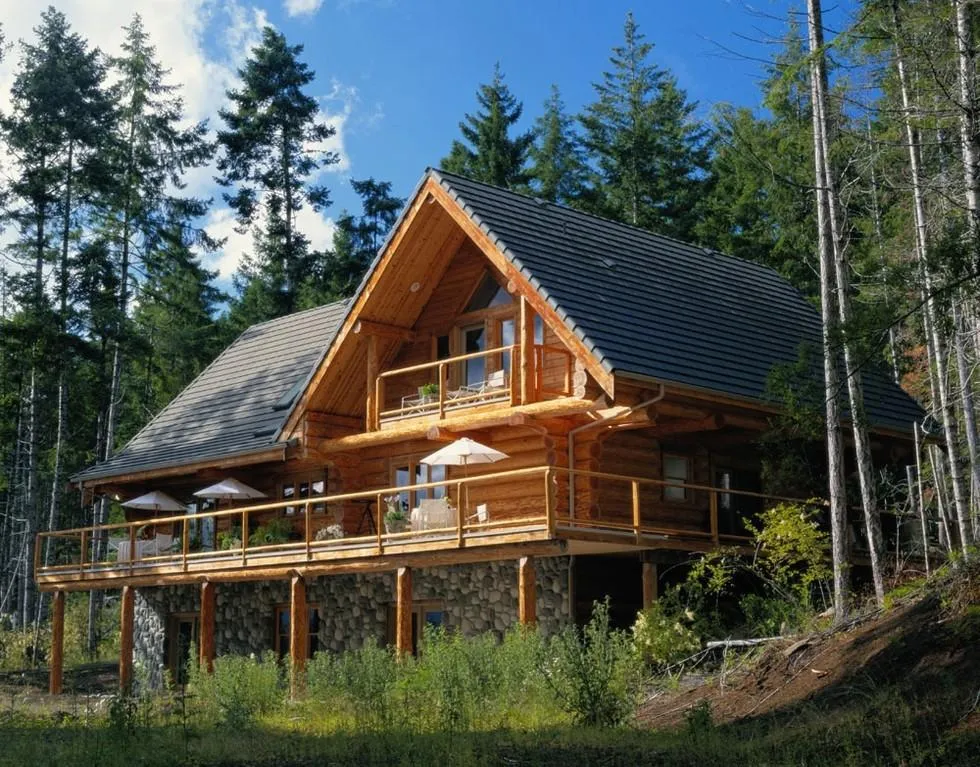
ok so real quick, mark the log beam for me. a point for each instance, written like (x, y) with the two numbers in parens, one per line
(56, 665)
(650, 585)
(381, 330)
(372, 407)
(403, 611)
(206, 629)
(299, 634)
(527, 609)
(126, 612)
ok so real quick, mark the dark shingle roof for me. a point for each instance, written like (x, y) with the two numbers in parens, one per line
(239, 404)
(655, 307)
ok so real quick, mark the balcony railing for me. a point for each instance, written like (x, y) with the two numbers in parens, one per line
(432, 391)
(502, 507)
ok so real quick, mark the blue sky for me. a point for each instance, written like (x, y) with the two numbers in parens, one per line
(395, 77)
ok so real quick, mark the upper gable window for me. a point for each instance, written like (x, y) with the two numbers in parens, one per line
(489, 294)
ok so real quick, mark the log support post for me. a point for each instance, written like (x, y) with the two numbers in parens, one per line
(126, 612)
(650, 585)
(371, 403)
(527, 353)
(403, 611)
(299, 634)
(206, 630)
(527, 610)
(56, 665)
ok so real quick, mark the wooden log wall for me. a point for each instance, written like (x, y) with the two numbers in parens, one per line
(639, 454)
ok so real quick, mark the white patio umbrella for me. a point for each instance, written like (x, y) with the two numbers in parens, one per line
(463, 452)
(155, 501)
(230, 488)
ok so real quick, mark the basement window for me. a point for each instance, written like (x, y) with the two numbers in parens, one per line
(281, 641)
(677, 471)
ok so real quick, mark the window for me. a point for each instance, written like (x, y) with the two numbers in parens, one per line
(281, 640)
(506, 334)
(430, 613)
(474, 340)
(182, 632)
(677, 471)
(443, 349)
(538, 329)
(301, 488)
(409, 471)
(489, 294)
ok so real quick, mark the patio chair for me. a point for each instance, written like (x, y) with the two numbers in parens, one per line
(482, 515)
(434, 513)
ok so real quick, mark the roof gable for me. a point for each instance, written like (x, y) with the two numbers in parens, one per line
(654, 307)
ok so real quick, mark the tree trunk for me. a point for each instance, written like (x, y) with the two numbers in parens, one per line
(829, 316)
(855, 387)
(950, 426)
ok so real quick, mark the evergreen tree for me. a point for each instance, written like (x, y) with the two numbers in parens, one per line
(489, 154)
(356, 241)
(558, 168)
(651, 155)
(761, 206)
(270, 151)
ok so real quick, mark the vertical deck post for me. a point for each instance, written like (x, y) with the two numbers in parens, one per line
(650, 594)
(370, 415)
(299, 634)
(126, 609)
(207, 627)
(403, 611)
(56, 666)
(527, 609)
(713, 507)
(636, 509)
(526, 366)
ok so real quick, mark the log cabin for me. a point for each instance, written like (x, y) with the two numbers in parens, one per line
(621, 374)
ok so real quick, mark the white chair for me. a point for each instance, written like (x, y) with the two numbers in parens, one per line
(435, 513)
(482, 515)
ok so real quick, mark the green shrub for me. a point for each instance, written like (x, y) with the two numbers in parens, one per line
(594, 672)
(239, 689)
(660, 639)
(364, 681)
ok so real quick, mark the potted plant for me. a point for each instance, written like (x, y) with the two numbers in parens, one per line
(395, 519)
(428, 392)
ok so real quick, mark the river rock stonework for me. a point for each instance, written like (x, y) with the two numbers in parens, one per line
(473, 598)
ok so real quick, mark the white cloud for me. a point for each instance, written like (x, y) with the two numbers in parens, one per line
(302, 7)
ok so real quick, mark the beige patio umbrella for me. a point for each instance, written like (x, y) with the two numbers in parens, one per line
(230, 489)
(463, 452)
(155, 501)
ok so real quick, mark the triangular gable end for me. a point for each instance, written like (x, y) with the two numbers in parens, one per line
(430, 231)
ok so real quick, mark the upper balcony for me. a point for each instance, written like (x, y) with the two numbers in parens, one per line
(503, 376)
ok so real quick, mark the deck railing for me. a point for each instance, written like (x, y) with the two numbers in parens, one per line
(546, 378)
(541, 514)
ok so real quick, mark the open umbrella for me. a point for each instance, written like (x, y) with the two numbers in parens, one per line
(463, 452)
(155, 501)
(230, 488)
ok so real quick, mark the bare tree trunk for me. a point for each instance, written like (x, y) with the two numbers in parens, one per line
(829, 316)
(950, 426)
(920, 498)
(964, 373)
(969, 140)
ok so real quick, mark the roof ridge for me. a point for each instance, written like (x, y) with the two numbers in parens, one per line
(633, 227)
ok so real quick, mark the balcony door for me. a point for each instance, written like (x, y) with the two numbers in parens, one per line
(474, 340)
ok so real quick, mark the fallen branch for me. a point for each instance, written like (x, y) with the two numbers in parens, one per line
(726, 643)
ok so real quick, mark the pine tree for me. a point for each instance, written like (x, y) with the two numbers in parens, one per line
(557, 169)
(271, 148)
(651, 155)
(489, 154)
(356, 241)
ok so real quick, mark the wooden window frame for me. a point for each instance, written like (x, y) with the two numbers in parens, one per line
(172, 635)
(419, 609)
(314, 634)
(413, 462)
(688, 496)
(294, 481)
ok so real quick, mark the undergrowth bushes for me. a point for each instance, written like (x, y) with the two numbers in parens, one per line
(456, 684)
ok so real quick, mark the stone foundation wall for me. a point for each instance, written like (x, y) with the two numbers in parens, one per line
(353, 608)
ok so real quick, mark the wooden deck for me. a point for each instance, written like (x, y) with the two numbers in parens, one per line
(550, 528)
